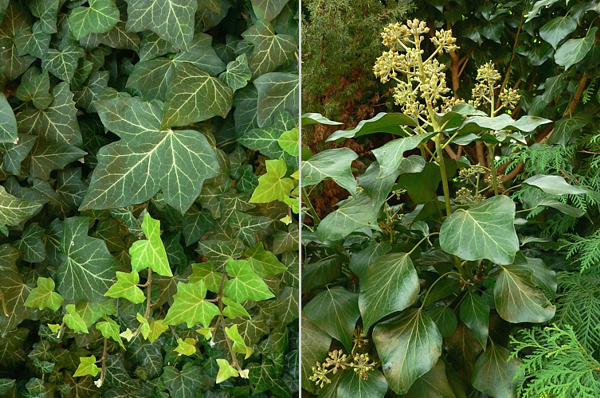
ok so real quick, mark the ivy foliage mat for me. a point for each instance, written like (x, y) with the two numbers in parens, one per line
(148, 198)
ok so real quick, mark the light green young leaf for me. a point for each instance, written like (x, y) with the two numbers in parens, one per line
(127, 287)
(290, 142)
(100, 17)
(44, 296)
(408, 346)
(233, 309)
(238, 345)
(205, 272)
(157, 328)
(87, 366)
(172, 20)
(190, 306)
(575, 50)
(265, 139)
(245, 284)
(150, 253)
(391, 285)
(186, 347)
(331, 163)
(273, 185)
(110, 330)
(88, 269)
(484, 231)
(91, 312)
(73, 320)
(194, 96)
(263, 262)
(494, 374)
(225, 371)
(14, 211)
(179, 160)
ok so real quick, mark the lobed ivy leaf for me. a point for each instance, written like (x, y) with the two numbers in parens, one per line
(409, 346)
(225, 371)
(189, 306)
(245, 284)
(180, 160)
(100, 17)
(186, 347)
(44, 296)
(184, 383)
(127, 287)
(15, 210)
(267, 10)
(37, 90)
(273, 185)
(31, 245)
(62, 63)
(270, 50)
(390, 285)
(8, 122)
(276, 91)
(73, 320)
(87, 366)
(238, 73)
(87, 269)
(484, 231)
(110, 330)
(263, 262)
(150, 253)
(290, 142)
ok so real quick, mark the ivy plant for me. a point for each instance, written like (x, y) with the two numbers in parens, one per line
(149, 198)
(413, 285)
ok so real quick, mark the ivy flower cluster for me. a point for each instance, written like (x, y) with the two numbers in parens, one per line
(424, 88)
(486, 88)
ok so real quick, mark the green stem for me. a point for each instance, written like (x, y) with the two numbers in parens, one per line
(433, 284)
(492, 150)
(440, 160)
(421, 241)
(311, 209)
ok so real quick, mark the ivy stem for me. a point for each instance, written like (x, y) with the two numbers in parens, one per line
(222, 321)
(311, 209)
(436, 281)
(421, 241)
(148, 293)
(492, 150)
(444, 176)
(4, 307)
(103, 360)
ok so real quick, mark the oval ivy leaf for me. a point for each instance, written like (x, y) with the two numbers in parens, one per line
(518, 299)
(484, 231)
(352, 385)
(382, 123)
(553, 185)
(331, 163)
(574, 50)
(475, 313)
(493, 373)
(8, 122)
(100, 17)
(391, 284)
(557, 29)
(408, 346)
(432, 384)
(390, 156)
(354, 213)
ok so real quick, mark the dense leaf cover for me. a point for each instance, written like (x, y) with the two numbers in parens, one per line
(148, 198)
(464, 261)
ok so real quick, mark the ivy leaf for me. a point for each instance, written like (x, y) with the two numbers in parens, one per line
(273, 185)
(233, 309)
(56, 123)
(263, 262)
(391, 285)
(553, 185)
(493, 372)
(484, 231)
(335, 311)
(152, 77)
(31, 245)
(331, 163)
(267, 10)
(37, 90)
(14, 294)
(238, 342)
(557, 29)
(110, 330)
(184, 383)
(47, 156)
(568, 127)
(315, 347)
(352, 214)
(391, 155)
(44, 296)
(409, 346)
(432, 384)
(290, 142)
(100, 17)
(225, 371)
(73, 320)
(502, 122)
(265, 139)
(88, 269)
(238, 73)
(16, 154)
(270, 50)
(263, 377)
(122, 176)
(14, 210)
(186, 347)
(246, 284)
(8, 122)
(150, 253)
(518, 299)
(574, 50)
(381, 123)
(190, 306)
(127, 287)
(194, 96)
(156, 329)
(63, 63)
(276, 91)
(172, 20)
(87, 366)
(91, 312)
(475, 313)
(352, 385)
(205, 272)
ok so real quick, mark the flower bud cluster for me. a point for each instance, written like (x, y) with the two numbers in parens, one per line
(485, 88)
(425, 80)
(362, 365)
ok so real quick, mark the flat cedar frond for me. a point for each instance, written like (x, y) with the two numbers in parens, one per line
(587, 247)
(555, 364)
